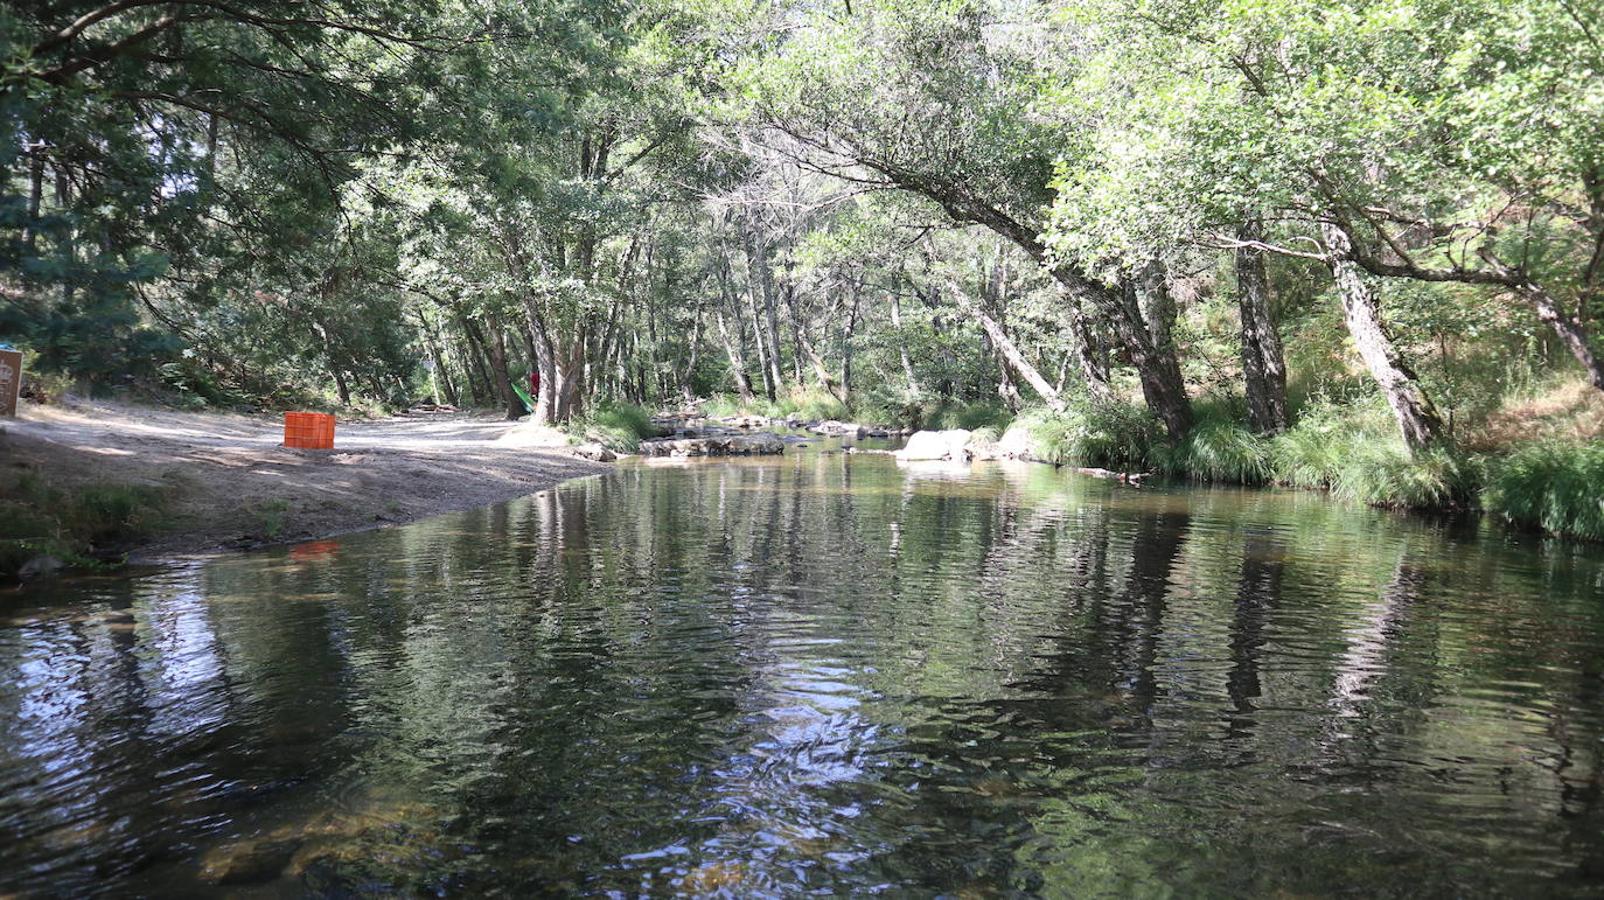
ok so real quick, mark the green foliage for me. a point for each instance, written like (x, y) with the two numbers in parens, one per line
(78, 525)
(1384, 474)
(1312, 452)
(812, 404)
(1116, 436)
(619, 427)
(1355, 452)
(1558, 487)
(947, 414)
(1220, 451)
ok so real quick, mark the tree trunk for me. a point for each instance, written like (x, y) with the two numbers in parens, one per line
(762, 281)
(442, 375)
(500, 372)
(1570, 330)
(847, 332)
(687, 377)
(1093, 369)
(1009, 351)
(902, 344)
(1264, 368)
(764, 361)
(797, 338)
(732, 349)
(1141, 322)
(1417, 418)
(36, 188)
(478, 377)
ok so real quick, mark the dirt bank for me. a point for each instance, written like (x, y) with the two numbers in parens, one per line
(229, 484)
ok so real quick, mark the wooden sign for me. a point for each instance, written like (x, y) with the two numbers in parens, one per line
(10, 381)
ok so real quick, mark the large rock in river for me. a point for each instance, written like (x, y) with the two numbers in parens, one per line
(936, 445)
(1018, 443)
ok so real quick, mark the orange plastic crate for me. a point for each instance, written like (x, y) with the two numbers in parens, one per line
(309, 431)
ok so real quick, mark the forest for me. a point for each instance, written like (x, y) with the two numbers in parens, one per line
(1355, 246)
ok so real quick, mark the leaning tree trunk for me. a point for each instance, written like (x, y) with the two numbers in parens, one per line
(1264, 368)
(1010, 351)
(1570, 330)
(1092, 368)
(732, 349)
(1417, 418)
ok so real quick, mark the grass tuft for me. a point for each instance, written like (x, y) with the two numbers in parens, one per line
(1219, 448)
(1555, 486)
(619, 427)
(77, 526)
(1112, 435)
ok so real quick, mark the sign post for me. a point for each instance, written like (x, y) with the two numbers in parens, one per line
(10, 381)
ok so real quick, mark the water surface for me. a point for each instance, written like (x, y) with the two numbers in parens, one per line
(824, 673)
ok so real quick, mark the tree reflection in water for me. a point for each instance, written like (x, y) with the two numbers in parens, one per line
(823, 672)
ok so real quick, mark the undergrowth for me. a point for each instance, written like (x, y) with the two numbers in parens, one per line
(1112, 435)
(79, 526)
(619, 427)
(1555, 486)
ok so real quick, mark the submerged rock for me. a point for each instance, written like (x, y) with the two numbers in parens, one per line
(930, 445)
(40, 567)
(249, 862)
(842, 428)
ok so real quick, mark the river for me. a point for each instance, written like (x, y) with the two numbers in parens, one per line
(825, 672)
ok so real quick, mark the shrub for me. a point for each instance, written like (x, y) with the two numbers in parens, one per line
(947, 414)
(617, 426)
(1555, 486)
(1114, 435)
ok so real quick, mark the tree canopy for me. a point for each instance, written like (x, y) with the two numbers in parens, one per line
(889, 207)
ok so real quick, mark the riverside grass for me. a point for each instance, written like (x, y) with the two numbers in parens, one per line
(1556, 486)
(77, 526)
(1350, 449)
(619, 427)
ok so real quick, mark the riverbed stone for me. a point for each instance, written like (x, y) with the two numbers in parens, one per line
(762, 443)
(249, 862)
(596, 452)
(40, 567)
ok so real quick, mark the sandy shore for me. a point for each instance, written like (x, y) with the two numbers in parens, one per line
(230, 485)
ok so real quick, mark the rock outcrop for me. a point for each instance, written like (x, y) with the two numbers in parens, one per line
(761, 443)
(931, 445)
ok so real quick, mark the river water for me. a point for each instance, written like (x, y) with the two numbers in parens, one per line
(827, 673)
